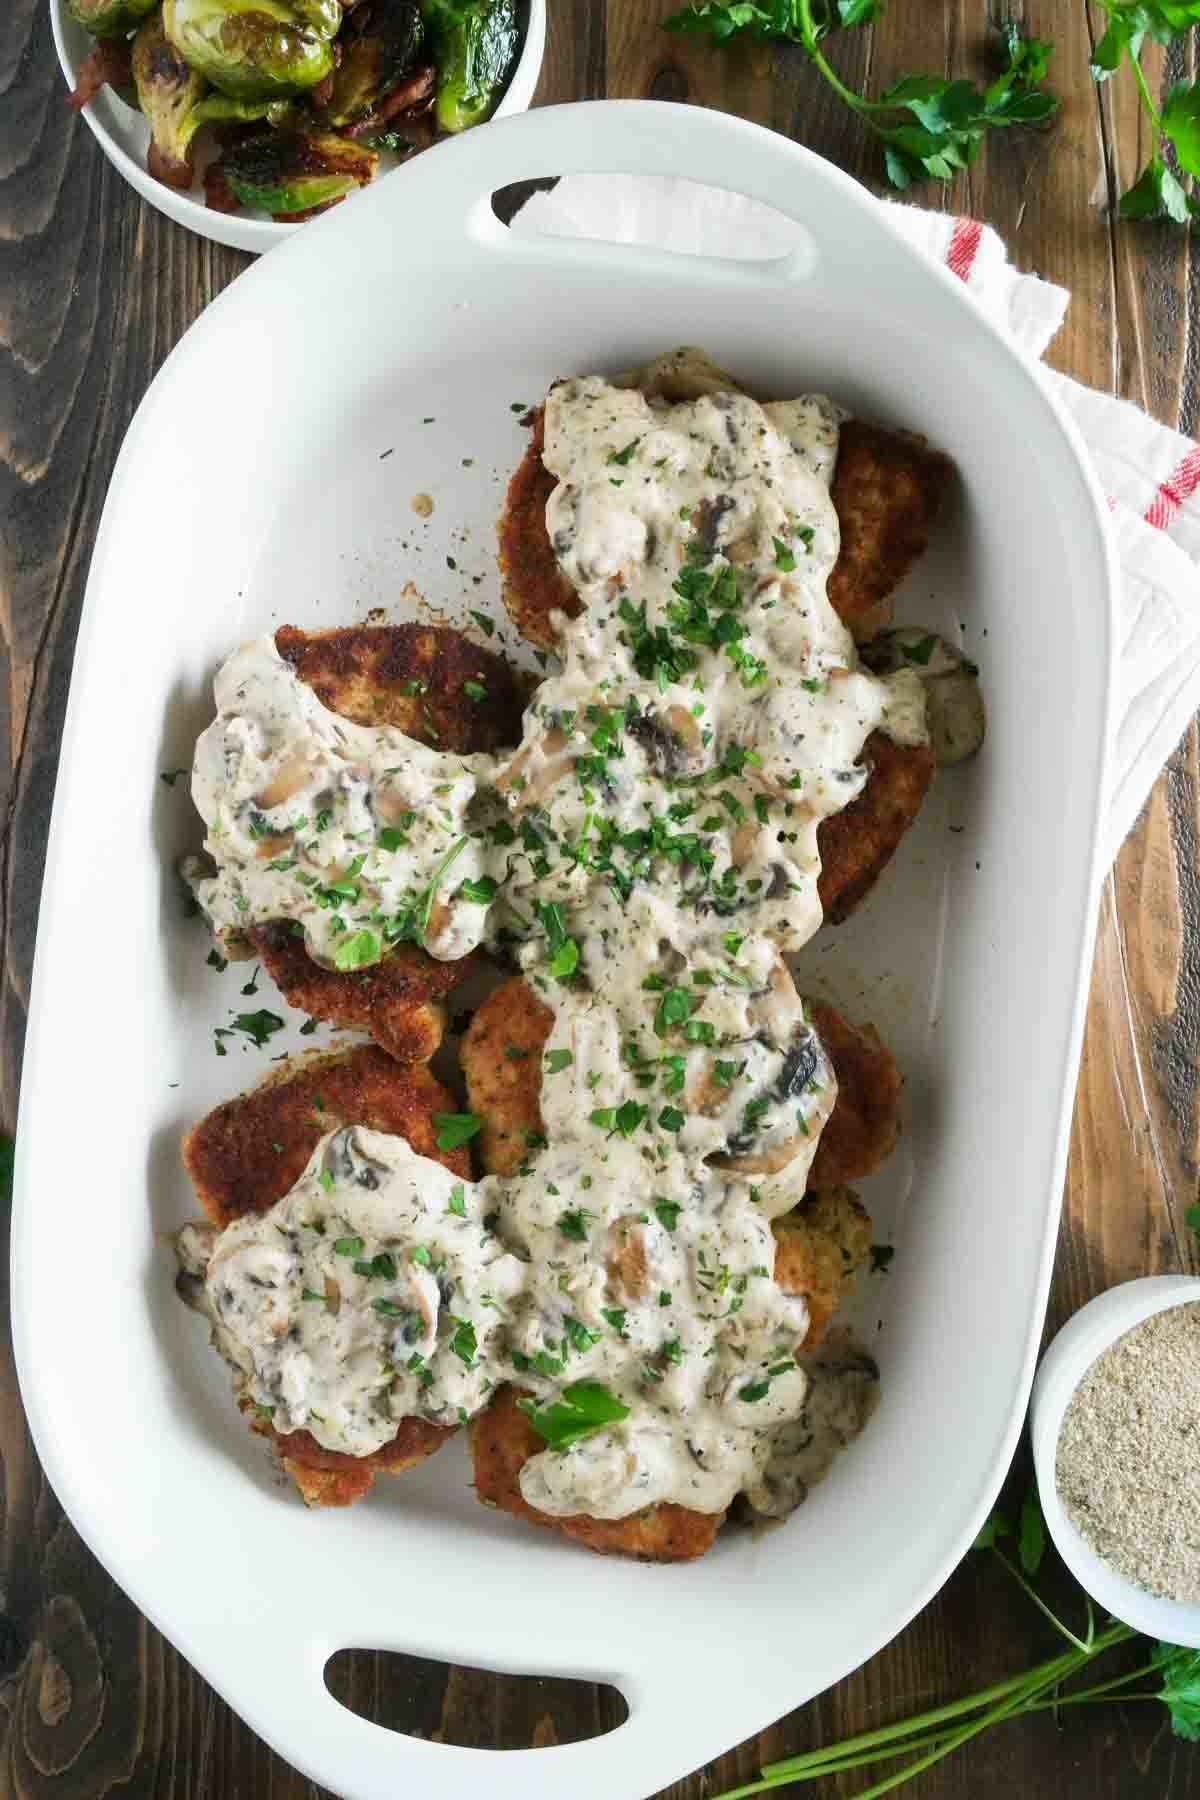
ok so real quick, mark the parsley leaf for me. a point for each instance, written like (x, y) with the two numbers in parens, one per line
(557, 1061)
(454, 1129)
(580, 1409)
(357, 950)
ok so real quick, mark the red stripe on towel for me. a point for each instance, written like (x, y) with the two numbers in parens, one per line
(1174, 491)
(964, 242)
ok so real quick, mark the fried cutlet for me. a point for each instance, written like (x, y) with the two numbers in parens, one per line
(888, 487)
(857, 844)
(820, 1246)
(415, 678)
(502, 1441)
(397, 1002)
(502, 1064)
(249, 1152)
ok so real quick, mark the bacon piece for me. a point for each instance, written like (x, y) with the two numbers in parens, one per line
(105, 65)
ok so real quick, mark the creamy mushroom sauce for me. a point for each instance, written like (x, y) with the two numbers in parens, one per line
(653, 846)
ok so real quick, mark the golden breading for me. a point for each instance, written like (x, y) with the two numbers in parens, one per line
(502, 1441)
(888, 488)
(857, 843)
(505, 1090)
(413, 677)
(501, 1056)
(863, 1127)
(249, 1152)
(328, 1478)
(819, 1249)
(397, 1001)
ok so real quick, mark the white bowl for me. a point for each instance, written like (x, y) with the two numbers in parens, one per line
(1084, 1338)
(123, 134)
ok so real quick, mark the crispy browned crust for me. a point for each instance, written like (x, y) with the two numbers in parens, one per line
(397, 1001)
(328, 1478)
(367, 674)
(502, 1064)
(857, 843)
(820, 1246)
(502, 1441)
(863, 1127)
(533, 586)
(887, 490)
(505, 1091)
(250, 1151)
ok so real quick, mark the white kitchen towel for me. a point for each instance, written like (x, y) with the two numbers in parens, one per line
(1150, 474)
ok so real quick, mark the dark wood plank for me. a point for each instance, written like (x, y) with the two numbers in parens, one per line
(95, 288)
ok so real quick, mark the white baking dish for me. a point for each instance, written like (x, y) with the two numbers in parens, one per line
(123, 134)
(268, 476)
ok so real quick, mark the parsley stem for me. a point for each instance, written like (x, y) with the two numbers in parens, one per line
(811, 40)
(1079, 1643)
(1147, 101)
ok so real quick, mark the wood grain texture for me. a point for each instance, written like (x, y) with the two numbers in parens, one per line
(95, 288)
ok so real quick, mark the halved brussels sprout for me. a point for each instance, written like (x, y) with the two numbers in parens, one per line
(288, 172)
(109, 18)
(381, 45)
(474, 47)
(255, 49)
(167, 93)
(953, 699)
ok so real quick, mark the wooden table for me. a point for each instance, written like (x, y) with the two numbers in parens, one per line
(95, 289)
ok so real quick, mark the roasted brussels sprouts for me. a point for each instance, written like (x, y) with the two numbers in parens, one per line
(255, 49)
(109, 18)
(290, 172)
(382, 43)
(474, 44)
(167, 93)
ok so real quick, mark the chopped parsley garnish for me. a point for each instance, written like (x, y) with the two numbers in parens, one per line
(623, 457)
(557, 1061)
(481, 892)
(454, 1129)
(259, 1027)
(380, 1268)
(486, 625)
(671, 1119)
(615, 1316)
(882, 1254)
(920, 652)
(357, 951)
(672, 1350)
(573, 1224)
(784, 558)
(580, 1409)
(348, 1246)
(564, 951)
(624, 1118)
(463, 1342)
(578, 1335)
(667, 1213)
(420, 1254)
(475, 689)
(457, 1203)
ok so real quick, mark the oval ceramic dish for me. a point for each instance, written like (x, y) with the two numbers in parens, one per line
(262, 482)
(123, 135)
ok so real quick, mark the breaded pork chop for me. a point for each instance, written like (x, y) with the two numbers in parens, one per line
(888, 487)
(249, 1152)
(857, 844)
(397, 1002)
(820, 1246)
(502, 1064)
(415, 678)
(502, 1441)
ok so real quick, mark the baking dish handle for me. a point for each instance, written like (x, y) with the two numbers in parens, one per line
(643, 137)
(353, 1756)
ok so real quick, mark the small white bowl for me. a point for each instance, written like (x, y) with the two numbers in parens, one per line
(123, 134)
(1082, 1339)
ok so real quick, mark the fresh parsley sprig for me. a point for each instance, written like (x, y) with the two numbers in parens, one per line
(1157, 192)
(929, 1736)
(929, 126)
